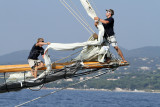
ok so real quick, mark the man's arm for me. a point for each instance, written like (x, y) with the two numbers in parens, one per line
(101, 20)
(43, 43)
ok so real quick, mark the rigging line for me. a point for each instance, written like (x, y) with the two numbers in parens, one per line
(41, 86)
(85, 73)
(67, 56)
(78, 11)
(78, 16)
(75, 17)
(64, 88)
(81, 16)
(96, 8)
(5, 81)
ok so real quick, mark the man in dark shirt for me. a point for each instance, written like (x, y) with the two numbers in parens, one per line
(33, 60)
(109, 31)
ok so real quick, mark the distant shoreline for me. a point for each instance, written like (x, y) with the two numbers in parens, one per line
(120, 90)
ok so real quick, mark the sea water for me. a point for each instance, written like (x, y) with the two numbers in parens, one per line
(80, 98)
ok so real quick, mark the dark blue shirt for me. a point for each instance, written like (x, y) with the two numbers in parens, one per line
(35, 52)
(109, 30)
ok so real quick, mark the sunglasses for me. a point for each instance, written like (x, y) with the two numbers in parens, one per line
(42, 41)
(108, 11)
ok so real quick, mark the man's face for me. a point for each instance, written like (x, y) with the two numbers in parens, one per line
(41, 41)
(108, 13)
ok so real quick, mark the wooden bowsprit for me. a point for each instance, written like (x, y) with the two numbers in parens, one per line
(87, 65)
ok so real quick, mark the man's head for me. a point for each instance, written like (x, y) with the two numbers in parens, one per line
(109, 12)
(40, 40)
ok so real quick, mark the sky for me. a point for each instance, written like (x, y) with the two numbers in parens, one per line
(137, 23)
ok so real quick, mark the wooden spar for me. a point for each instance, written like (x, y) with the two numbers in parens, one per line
(26, 67)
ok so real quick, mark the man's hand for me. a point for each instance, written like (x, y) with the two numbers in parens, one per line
(96, 23)
(96, 18)
(48, 43)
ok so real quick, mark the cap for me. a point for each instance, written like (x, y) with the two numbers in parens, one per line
(110, 10)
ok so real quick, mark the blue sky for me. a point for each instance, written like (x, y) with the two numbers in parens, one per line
(137, 23)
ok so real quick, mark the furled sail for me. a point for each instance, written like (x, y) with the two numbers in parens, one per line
(88, 53)
(87, 6)
(58, 46)
(90, 11)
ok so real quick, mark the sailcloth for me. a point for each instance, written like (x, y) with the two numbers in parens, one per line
(59, 47)
(90, 11)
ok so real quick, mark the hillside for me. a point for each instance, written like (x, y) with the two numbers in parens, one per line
(20, 57)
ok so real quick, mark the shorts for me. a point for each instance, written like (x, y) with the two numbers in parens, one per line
(112, 41)
(33, 63)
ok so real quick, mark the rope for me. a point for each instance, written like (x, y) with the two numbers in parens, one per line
(80, 20)
(75, 17)
(68, 56)
(84, 73)
(82, 16)
(96, 9)
(78, 11)
(5, 82)
(65, 88)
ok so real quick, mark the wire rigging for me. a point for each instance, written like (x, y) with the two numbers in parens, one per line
(79, 19)
(96, 9)
(82, 16)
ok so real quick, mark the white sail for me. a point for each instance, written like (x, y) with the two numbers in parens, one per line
(60, 47)
(90, 11)
(87, 6)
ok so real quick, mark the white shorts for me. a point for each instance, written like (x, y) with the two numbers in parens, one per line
(33, 63)
(112, 41)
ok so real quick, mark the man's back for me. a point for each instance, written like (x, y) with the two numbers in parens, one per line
(35, 52)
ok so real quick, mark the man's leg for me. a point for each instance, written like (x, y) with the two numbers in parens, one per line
(39, 65)
(35, 72)
(113, 41)
(120, 53)
(32, 65)
(32, 72)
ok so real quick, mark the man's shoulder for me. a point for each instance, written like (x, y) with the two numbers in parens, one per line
(34, 45)
(110, 19)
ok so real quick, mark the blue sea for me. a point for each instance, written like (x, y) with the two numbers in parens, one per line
(80, 98)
